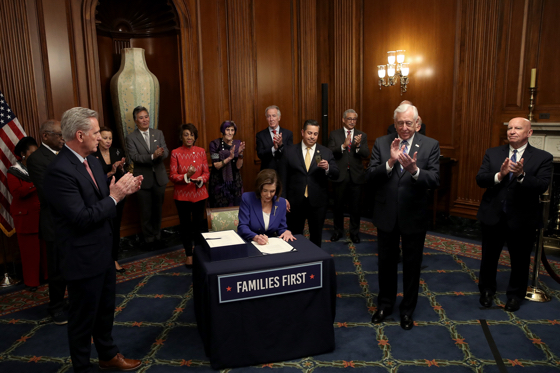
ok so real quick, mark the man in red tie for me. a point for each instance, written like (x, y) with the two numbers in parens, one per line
(350, 148)
(83, 203)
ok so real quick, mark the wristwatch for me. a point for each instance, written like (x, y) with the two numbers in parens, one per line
(520, 177)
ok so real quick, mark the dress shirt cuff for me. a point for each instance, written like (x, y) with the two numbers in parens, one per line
(273, 149)
(415, 177)
(114, 200)
(342, 148)
(327, 170)
(152, 157)
(496, 179)
(388, 168)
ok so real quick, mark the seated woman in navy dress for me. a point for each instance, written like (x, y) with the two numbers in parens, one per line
(262, 213)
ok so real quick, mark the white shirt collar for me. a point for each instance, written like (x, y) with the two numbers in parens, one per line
(48, 147)
(76, 154)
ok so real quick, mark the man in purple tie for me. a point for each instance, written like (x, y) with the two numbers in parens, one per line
(349, 146)
(83, 204)
(514, 176)
(403, 166)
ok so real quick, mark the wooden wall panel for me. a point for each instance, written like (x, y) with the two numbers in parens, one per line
(548, 57)
(215, 87)
(242, 76)
(512, 56)
(17, 81)
(346, 79)
(63, 85)
(310, 86)
(474, 93)
(430, 50)
(275, 29)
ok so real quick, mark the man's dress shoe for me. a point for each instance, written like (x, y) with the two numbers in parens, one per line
(119, 363)
(406, 322)
(512, 305)
(486, 299)
(380, 315)
(335, 236)
(355, 238)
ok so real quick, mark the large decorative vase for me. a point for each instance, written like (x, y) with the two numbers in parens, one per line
(134, 85)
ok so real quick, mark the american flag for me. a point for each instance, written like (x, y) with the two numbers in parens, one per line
(10, 133)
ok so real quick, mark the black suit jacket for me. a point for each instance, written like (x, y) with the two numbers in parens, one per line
(37, 164)
(352, 158)
(399, 199)
(522, 199)
(82, 215)
(297, 177)
(391, 129)
(141, 156)
(264, 148)
(115, 155)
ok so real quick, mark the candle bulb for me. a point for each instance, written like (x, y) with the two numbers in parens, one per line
(533, 78)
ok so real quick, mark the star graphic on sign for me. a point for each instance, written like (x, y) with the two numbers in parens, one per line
(228, 288)
(312, 277)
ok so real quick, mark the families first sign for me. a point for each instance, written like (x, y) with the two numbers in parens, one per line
(270, 282)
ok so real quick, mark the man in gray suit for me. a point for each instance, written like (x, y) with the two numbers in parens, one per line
(350, 148)
(403, 167)
(51, 144)
(147, 150)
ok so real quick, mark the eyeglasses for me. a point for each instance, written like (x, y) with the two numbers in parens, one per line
(57, 134)
(351, 119)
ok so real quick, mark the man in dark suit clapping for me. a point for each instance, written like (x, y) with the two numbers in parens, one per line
(272, 141)
(350, 148)
(51, 144)
(308, 166)
(514, 176)
(82, 206)
(403, 167)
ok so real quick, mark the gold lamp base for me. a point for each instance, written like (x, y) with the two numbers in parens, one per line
(537, 295)
(8, 281)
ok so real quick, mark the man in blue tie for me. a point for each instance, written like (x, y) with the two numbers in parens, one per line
(403, 166)
(514, 176)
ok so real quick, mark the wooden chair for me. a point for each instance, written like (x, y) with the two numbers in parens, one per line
(222, 218)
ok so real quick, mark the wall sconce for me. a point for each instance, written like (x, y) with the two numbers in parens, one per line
(395, 72)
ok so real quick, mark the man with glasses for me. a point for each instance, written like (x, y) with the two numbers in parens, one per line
(403, 167)
(51, 144)
(350, 148)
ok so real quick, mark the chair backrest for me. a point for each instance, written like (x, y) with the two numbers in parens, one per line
(222, 218)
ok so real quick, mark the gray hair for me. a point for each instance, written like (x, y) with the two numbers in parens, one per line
(403, 108)
(47, 126)
(138, 109)
(76, 119)
(349, 111)
(272, 107)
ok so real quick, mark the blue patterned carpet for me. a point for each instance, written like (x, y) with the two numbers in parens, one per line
(155, 319)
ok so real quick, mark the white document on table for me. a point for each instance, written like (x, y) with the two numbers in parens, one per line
(223, 238)
(275, 245)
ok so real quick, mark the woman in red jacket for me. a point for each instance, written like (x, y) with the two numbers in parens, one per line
(189, 172)
(25, 212)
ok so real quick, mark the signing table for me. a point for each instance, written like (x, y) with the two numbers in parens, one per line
(265, 308)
